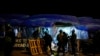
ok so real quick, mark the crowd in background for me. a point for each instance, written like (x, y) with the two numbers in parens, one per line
(62, 38)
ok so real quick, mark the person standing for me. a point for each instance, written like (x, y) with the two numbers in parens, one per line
(65, 40)
(9, 41)
(48, 39)
(73, 42)
(61, 42)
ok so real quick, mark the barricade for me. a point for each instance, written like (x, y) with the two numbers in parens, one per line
(36, 46)
(33, 47)
(39, 46)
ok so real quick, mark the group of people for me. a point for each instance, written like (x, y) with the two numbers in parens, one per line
(63, 39)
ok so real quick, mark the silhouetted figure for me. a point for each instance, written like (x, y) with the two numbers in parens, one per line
(65, 39)
(48, 39)
(73, 42)
(35, 34)
(1, 37)
(9, 41)
(61, 42)
(96, 39)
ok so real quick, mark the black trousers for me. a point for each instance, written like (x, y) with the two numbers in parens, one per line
(61, 45)
(73, 45)
(46, 47)
(8, 48)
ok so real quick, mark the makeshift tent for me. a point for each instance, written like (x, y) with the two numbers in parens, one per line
(48, 20)
(70, 19)
(14, 22)
(97, 21)
(32, 23)
(57, 17)
(89, 22)
(96, 26)
(81, 27)
(62, 24)
(47, 16)
(85, 20)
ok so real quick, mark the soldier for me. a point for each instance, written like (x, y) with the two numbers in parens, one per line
(61, 42)
(48, 39)
(73, 42)
(9, 41)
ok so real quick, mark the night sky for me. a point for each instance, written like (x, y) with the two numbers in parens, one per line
(74, 9)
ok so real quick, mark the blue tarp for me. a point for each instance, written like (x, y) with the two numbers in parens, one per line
(97, 21)
(48, 16)
(85, 20)
(81, 27)
(69, 18)
(55, 17)
(14, 22)
(47, 20)
(37, 23)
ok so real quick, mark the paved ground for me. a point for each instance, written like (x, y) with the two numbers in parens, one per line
(25, 53)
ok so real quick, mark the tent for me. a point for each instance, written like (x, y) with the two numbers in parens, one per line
(48, 20)
(71, 19)
(89, 22)
(14, 22)
(85, 20)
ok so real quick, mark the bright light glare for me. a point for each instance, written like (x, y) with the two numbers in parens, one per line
(81, 34)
